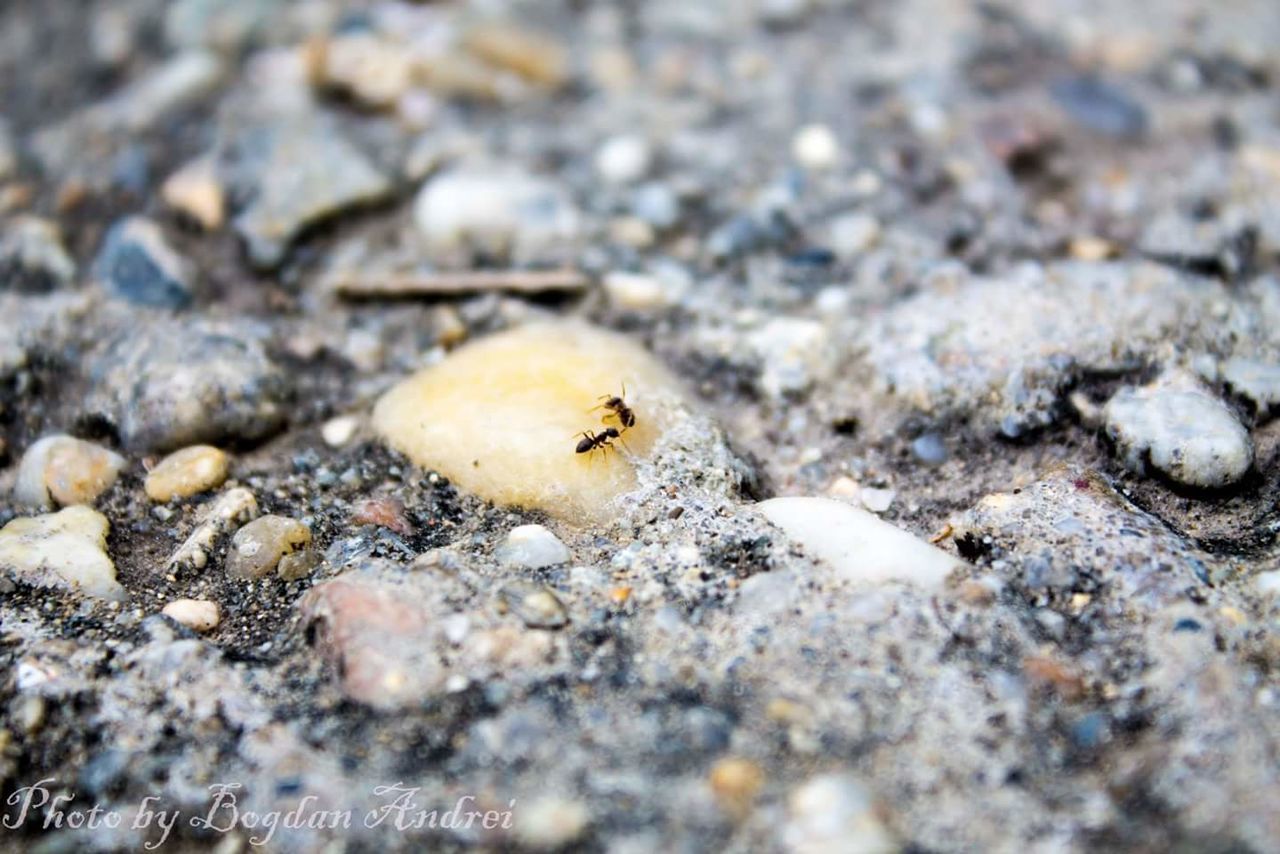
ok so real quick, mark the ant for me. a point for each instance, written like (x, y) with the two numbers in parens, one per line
(590, 442)
(617, 406)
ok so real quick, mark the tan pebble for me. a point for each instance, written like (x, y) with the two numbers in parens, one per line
(67, 470)
(198, 615)
(459, 75)
(631, 231)
(195, 190)
(974, 592)
(296, 565)
(450, 329)
(1047, 671)
(782, 710)
(635, 291)
(735, 783)
(1091, 249)
(186, 472)
(1233, 615)
(535, 57)
(257, 548)
(613, 69)
(844, 487)
(374, 71)
(16, 197)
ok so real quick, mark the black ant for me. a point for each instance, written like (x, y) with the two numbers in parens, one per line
(617, 406)
(603, 441)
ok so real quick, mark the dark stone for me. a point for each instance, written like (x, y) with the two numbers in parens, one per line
(137, 265)
(1100, 106)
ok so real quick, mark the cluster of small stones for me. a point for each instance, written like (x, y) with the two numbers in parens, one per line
(946, 520)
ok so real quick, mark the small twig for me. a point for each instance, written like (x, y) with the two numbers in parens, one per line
(359, 285)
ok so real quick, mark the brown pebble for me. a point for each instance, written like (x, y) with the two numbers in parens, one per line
(187, 472)
(257, 548)
(735, 783)
(535, 57)
(68, 470)
(297, 565)
(1046, 671)
(385, 513)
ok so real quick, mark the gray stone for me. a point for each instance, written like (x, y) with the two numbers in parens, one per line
(497, 212)
(1006, 348)
(1181, 431)
(1100, 106)
(929, 449)
(108, 126)
(182, 383)
(8, 151)
(656, 204)
(33, 258)
(227, 25)
(1256, 380)
(297, 171)
(138, 265)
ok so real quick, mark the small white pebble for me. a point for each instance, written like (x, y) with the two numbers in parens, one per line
(456, 627)
(833, 812)
(853, 234)
(844, 487)
(337, 432)
(635, 291)
(815, 147)
(877, 500)
(624, 159)
(866, 183)
(198, 615)
(532, 547)
(1268, 583)
(550, 823)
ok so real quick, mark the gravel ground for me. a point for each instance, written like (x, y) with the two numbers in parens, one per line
(934, 509)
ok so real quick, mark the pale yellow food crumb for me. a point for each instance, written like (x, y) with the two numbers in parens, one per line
(501, 417)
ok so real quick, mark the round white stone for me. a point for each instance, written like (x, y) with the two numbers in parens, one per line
(502, 212)
(832, 812)
(337, 432)
(815, 147)
(624, 159)
(532, 547)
